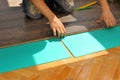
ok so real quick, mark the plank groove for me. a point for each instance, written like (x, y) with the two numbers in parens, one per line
(89, 67)
(15, 28)
(22, 29)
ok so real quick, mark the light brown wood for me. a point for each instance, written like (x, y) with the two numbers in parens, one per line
(103, 65)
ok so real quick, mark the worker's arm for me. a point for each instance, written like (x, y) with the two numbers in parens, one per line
(55, 24)
(106, 14)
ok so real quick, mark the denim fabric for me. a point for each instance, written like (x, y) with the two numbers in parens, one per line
(57, 6)
(30, 10)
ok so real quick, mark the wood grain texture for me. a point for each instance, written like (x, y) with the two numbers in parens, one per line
(15, 28)
(104, 65)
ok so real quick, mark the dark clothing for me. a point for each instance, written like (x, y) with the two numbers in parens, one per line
(57, 6)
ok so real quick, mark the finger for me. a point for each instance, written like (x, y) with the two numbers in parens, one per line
(108, 24)
(114, 22)
(58, 32)
(54, 31)
(99, 20)
(111, 23)
(63, 31)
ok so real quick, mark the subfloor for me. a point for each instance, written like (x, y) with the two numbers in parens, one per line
(15, 28)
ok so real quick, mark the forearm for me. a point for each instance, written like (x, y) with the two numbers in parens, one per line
(104, 5)
(55, 24)
(44, 9)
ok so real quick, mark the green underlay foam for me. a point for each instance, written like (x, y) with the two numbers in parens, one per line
(94, 41)
(30, 54)
(40, 52)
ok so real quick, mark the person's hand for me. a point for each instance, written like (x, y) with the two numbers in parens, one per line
(108, 18)
(57, 27)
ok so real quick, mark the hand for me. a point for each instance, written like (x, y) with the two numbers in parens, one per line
(108, 18)
(57, 27)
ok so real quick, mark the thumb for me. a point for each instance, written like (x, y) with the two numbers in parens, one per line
(99, 20)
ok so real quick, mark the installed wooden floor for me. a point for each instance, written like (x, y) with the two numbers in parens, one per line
(15, 28)
(104, 65)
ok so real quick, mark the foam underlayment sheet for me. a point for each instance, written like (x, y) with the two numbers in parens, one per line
(39, 52)
(30, 54)
(94, 41)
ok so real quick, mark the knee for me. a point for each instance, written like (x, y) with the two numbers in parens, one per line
(65, 6)
(68, 7)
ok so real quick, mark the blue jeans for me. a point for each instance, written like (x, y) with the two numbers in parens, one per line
(57, 6)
